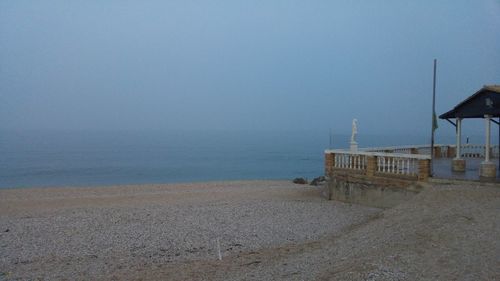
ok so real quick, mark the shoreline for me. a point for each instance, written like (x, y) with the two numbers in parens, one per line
(104, 185)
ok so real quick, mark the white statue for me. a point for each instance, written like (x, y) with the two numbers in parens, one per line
(354, 130)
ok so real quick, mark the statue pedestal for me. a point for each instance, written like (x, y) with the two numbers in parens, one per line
(354, 146)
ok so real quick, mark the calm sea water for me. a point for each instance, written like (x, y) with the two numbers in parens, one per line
(85, 158)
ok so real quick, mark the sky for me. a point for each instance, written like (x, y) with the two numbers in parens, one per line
(243, 65)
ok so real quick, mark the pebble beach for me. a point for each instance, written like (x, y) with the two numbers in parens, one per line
(245, 230)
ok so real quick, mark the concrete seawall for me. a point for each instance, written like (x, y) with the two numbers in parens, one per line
(378, 192)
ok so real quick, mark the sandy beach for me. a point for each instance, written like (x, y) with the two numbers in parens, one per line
(264, 230)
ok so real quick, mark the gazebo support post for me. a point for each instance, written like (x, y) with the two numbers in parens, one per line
(458, 163)
(488, 169)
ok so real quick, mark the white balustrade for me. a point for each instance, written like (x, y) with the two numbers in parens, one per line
(350, 161)
(389, 163)
(467, 150)
(478, 151)
(401, 160)
(495, 153)
(472, 151)
(397, 165)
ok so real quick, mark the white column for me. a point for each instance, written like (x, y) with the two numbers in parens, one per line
(459, 138)
(488, 134)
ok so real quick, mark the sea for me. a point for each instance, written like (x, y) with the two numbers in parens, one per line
(43, 158)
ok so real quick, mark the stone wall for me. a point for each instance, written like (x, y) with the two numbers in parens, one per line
(381, 192)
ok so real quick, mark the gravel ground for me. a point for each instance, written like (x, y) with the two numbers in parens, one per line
(444, 233)
(268, 230)
(153, 231)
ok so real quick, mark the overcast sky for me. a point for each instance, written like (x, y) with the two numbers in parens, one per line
(242, 64)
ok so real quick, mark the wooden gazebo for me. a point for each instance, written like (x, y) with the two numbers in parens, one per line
(485, 103)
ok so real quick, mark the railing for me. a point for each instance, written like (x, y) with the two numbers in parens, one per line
(478, 151)
(397, 165)
(412, 161)
(350, 161)
(378, 163)
(405, 149)
(440, 150)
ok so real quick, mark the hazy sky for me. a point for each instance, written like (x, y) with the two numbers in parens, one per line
(242, 64)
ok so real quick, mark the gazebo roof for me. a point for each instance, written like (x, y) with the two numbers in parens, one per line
(486, 101)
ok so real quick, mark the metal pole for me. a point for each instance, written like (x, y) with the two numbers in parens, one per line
(433, 114)
(459, 138)
(488, 138)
